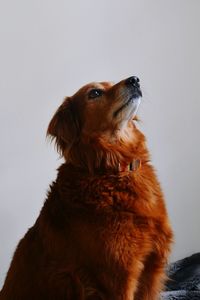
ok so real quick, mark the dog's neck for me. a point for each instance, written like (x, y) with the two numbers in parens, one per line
(100, 155)
(107, 162)
(80, 171)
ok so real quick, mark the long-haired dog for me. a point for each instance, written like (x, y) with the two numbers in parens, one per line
(103, 232)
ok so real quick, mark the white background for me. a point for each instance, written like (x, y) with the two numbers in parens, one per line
(51, 48)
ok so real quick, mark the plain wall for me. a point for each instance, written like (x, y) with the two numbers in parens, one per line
(51, 48)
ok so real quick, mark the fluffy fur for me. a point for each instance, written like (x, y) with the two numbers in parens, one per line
(103, 232)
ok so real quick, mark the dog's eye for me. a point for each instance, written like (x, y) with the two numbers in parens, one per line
(95, 93)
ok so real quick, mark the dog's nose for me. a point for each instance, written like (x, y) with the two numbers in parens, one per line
(133, 81)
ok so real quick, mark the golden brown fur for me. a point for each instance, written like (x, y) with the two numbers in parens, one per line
(103, 232)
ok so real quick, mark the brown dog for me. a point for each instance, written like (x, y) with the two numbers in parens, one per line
(103, 232)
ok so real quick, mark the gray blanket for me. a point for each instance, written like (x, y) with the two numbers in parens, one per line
(184, 283)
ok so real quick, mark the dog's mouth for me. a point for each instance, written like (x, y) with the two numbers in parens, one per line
(136, 95)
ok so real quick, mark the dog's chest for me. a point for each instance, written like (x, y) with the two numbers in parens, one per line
(108, 192)
(122, 193)
(108, 218)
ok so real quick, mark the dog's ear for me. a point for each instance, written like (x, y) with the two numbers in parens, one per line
(64, 127)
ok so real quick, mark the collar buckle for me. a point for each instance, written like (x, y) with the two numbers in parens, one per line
(134, 165)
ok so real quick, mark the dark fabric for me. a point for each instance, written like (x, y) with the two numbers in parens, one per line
(184, 283)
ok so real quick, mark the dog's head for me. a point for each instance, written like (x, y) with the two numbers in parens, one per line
(99, 116)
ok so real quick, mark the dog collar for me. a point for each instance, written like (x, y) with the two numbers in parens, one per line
(133, 166)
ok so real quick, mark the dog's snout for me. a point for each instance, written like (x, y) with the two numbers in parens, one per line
(133, 81)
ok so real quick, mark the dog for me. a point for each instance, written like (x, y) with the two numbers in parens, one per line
(103, 232)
